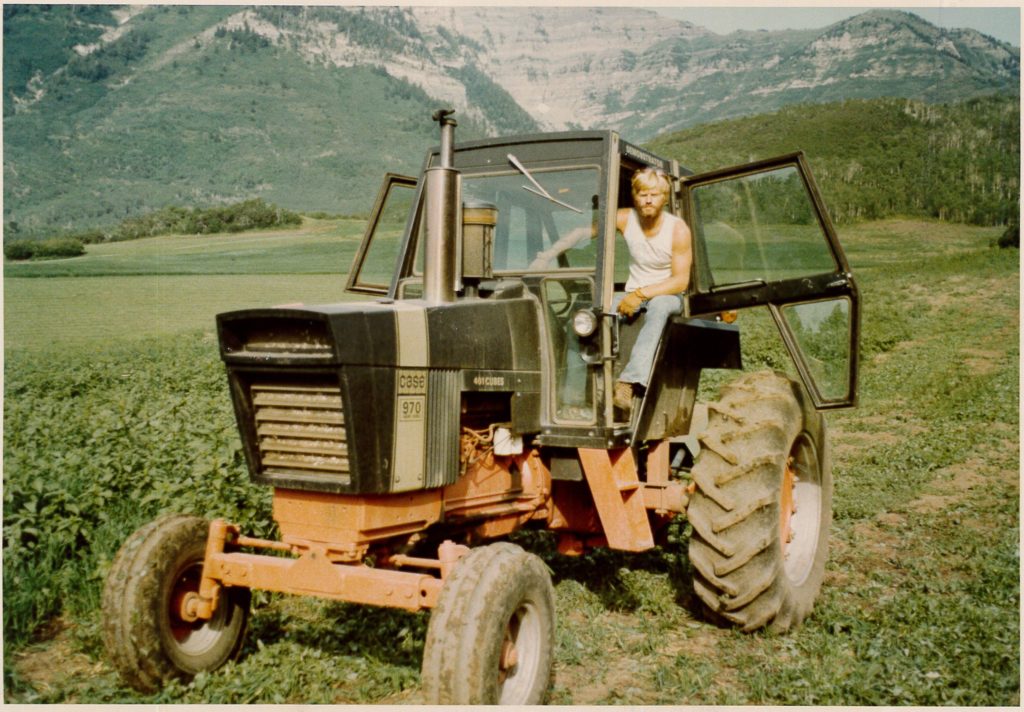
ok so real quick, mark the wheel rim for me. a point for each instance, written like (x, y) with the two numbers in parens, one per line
(193, 637)
(520, 654)
(800, 516)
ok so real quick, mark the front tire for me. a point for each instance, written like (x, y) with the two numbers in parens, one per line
(762, 507)
(491, 636)
(144, 632)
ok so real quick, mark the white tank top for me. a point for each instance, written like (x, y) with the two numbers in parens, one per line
(652, 256)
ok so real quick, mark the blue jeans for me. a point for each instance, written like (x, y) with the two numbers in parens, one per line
(657, 310)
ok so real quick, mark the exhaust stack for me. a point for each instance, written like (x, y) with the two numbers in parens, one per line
(442, 219)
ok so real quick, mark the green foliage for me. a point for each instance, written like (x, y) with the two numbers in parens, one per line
(98, 443)
(89, 237)
(38, 40)
(44, 249)
(248, 215)
(1010, 238)
(394, 32)
(19, 249)
(111, 59)
(244, 40)
(881, 158)
(59, 247)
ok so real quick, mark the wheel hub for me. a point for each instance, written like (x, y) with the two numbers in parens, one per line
(186, 605)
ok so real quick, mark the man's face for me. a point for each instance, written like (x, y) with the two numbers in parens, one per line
(649, 202)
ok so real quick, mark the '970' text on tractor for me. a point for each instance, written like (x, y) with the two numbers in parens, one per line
(407, 437)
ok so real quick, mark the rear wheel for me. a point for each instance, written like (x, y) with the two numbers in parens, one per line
(147, 636)
(491, 635)
(762, 507)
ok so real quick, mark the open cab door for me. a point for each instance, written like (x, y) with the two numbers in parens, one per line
(762, 236)
(376, 262)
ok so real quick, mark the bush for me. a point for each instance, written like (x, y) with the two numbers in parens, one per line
(20, 250)
(89, 237)
(60, 247)
(1010, 238)
(247, 215)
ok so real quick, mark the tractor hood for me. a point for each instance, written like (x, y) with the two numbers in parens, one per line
(366, 398)
(472, 334)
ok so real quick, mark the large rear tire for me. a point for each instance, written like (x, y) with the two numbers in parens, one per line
(145, 635)
(491, 636)
(762, 507)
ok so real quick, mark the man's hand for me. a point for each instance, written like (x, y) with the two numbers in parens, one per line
(630, 303)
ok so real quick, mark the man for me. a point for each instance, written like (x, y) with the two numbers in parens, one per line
(659, 272)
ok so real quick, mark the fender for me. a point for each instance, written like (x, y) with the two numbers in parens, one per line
(687, 346)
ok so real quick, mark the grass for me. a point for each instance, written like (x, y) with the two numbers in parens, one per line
(921, 601)
(318, 247)
(167, 285)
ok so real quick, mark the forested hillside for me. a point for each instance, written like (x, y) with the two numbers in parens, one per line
(883, 157)
(180, 109)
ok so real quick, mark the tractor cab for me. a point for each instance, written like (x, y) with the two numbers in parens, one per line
(761, 236)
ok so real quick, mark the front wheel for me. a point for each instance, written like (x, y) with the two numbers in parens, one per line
(146, 635)
(762, 507)
(491, 635)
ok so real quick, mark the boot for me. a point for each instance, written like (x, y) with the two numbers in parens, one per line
(622, 398)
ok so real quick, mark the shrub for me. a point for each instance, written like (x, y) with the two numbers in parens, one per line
(20, 250)
(60, 247)
(247, 215)
(1010, 238)
(90, 237)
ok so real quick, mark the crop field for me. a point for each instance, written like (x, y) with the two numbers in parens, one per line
(115, 413)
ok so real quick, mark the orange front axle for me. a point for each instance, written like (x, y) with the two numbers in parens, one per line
(313, 573)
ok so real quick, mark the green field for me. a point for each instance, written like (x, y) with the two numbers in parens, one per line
(172, 284)
(318, 247)
(115, 413)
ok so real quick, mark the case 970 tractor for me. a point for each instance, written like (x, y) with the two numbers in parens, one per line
(406, 437)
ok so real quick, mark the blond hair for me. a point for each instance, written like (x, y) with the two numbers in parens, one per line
(650, 179)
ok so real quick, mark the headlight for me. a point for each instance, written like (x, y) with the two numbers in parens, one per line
(584, 323)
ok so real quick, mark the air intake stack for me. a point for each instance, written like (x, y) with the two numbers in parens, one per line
(443, 224)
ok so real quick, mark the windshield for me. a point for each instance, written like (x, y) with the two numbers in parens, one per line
(530, 223)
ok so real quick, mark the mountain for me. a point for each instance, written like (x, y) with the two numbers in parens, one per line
(111, 111)
(644, 74)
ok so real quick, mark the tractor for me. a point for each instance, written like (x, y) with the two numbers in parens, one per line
(410, 433)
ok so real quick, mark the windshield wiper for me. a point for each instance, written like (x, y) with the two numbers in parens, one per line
(538, 189)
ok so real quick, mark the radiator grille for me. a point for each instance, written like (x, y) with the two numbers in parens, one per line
(301, 429)
(442, 428)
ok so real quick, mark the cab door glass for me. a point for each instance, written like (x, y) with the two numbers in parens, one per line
(762, 236)
(378, 255)
(760, 227)
(822, 331)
